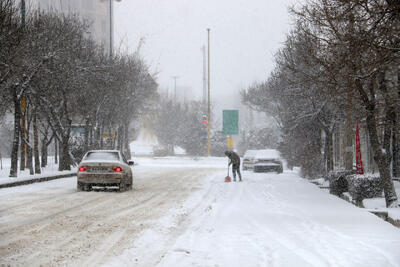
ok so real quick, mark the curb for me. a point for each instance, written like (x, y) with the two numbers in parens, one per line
(37, 180)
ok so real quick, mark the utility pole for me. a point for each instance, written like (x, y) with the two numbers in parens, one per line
(23, 11)
(175, 78)
(204, 75)
(111, 29)
(209, 99)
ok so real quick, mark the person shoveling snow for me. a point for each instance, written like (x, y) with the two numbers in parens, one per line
(235, 161)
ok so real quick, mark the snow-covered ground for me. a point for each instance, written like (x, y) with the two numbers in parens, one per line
(181, 213)
(380, 204)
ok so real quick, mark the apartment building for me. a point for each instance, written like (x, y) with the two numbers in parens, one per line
(99, 13)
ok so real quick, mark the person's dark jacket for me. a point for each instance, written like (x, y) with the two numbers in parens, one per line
(235, 159)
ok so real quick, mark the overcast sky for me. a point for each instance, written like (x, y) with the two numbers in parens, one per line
(244, 36)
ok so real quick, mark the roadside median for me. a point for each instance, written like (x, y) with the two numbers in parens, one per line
(39, 179)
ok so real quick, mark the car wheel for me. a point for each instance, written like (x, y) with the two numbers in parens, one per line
(87, 187)
(122, 187)
(80, 186)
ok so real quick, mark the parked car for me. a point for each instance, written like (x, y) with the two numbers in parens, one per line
(104, 168)
(268, 160)
(248, 159)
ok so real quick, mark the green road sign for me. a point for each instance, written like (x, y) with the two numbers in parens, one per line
(230, 122)
(79, 130)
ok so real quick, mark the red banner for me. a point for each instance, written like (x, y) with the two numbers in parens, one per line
(359, 165)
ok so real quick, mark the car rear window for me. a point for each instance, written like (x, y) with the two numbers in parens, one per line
(102, 155)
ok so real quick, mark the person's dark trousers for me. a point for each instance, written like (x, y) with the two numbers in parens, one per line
(236, 169)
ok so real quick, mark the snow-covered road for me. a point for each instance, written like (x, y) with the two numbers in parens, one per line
(181, 213)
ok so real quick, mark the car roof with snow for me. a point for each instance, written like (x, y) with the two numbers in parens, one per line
(250, 152)
(268, 154)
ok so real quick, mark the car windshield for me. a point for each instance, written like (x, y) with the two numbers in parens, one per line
(102, 155)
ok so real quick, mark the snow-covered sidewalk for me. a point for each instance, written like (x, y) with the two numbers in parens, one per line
(282, 220)
(270, 220)
(23, 176)
(374, 205)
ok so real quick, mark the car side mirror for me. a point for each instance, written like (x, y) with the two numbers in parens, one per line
(131, 163)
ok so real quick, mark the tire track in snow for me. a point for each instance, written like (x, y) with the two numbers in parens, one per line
(184, 221)
(108, 221)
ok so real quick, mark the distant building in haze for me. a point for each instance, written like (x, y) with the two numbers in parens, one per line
(99, 13)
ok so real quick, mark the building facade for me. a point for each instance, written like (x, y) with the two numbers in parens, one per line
(99, 14)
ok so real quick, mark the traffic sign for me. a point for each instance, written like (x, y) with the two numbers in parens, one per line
(230, 122)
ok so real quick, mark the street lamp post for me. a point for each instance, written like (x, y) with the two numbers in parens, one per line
(112, 27)
(175, 78)
(209, 99)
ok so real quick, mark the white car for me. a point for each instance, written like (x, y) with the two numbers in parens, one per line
(248, 159)
(268, 160)
(104, 168)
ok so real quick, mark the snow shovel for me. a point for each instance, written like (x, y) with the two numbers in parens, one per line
(228, 178)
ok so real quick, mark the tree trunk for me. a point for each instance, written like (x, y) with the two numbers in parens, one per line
(23, 145)
(101, 130)
(36, 143)
(382, 153)
(120, 134)
(113, 139)
(44, 151)
(55, 151)
(28, 147)
(380, 157)
(396, 132)
(329, 150)
(15, 144)
(65, 159)
(86, 137)
(127, 146)
(348, 162)
(395, 162)
(30, 160)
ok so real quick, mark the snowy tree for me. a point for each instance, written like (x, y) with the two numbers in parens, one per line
(340, 63)
(62, 78)
(363, 36)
